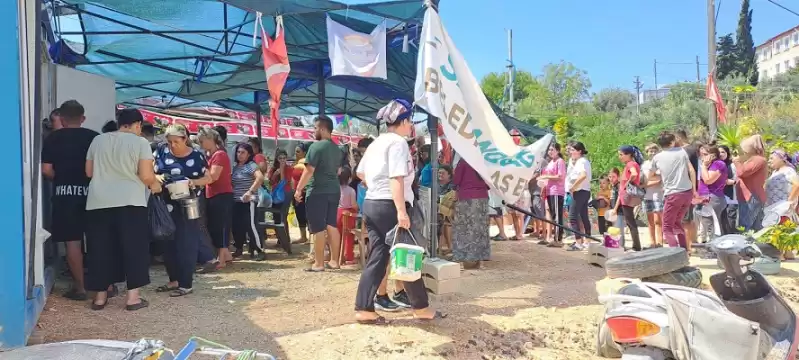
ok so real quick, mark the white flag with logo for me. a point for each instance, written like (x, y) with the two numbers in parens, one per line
(446, 88)
(357, 54)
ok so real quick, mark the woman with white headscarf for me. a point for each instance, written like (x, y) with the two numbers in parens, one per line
(388, 173)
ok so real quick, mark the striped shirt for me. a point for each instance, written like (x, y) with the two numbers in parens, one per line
(243, 176)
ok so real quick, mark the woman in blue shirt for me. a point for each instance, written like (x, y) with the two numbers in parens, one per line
(176, 161)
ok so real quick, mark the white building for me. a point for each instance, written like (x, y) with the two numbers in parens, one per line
(651, 95)
(779, 54)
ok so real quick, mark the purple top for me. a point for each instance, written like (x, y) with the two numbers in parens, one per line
(470, 184)
(717, 187)
(556, 186)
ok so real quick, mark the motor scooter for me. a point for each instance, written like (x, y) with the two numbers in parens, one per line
(744, 318)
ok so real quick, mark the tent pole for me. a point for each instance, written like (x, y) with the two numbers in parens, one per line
(258, 121)
(432, 128)
(320, 86)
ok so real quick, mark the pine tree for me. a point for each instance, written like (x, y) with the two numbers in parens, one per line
(745, 44)
(726, 57)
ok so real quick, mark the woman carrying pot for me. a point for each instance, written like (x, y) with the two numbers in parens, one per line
(387, 169)
(175, 164)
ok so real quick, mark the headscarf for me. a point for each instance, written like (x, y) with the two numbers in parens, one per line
(784, 157)
(638, 157)
(396, 111)
(753, 145)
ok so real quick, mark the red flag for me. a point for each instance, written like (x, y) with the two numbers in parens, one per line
(516, 136)
(276, 66)
(714, 96)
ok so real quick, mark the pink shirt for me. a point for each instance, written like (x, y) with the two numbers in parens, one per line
(348, 198)
(556, 187)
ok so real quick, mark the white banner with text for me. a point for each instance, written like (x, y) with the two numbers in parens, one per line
(446, 88)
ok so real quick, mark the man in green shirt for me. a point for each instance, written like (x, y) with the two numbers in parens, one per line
(322, 193)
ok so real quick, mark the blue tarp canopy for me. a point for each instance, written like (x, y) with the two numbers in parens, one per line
(202, 52)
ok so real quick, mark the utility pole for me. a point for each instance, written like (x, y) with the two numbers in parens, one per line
(511, 76)
(711, 60)
(656, 74)
(698, 75)
(638, 86)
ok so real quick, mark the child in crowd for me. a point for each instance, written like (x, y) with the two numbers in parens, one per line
(602, 203)
(613, 177)
(347, 205)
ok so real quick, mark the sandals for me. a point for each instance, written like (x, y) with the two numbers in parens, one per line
(438, 315)
(98, 307)
(140, 305)
(312, 269)
(379, 321)
(555, 244)
(180, 292)
(328, 267)
(165, 288)
(76, 295)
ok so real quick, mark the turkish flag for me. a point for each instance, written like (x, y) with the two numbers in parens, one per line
(714, 96)
(276, 66)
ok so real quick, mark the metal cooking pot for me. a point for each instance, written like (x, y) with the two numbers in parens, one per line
(191, 207)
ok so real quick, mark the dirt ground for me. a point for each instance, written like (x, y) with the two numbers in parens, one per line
(529, 302)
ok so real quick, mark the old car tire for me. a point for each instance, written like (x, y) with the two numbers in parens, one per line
(688, 276)
(647, 263)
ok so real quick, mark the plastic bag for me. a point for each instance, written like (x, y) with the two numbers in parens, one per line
(279, 192)
(406, 256)
(162, 227)
(264, 198)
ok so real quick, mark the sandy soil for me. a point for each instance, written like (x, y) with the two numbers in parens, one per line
(530, 302)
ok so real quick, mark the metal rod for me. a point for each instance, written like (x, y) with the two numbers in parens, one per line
(258, 120)
(530, 214)
(224, 14)
(169, 59)
(139, 32)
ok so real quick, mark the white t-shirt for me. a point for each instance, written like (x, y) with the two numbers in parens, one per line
(387, 157)
(115, 159)
(575, 170)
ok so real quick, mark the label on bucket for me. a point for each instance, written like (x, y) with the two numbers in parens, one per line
(406, 262)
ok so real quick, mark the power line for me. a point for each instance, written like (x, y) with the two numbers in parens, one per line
(783, 7)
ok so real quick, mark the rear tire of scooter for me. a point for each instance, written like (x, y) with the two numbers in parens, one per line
(688, 276)
(604, 342)
(647, 263)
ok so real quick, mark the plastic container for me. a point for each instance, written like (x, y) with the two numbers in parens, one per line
(179, 189)
(406, 262)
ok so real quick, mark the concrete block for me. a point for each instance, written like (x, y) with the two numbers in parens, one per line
(441, 269)
(598, 254)
(441, 287)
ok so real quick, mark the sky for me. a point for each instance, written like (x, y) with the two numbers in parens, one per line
(613, 40)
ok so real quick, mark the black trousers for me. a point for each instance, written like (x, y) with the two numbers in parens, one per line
(629, 219)
(578, 212)
(183, 250)
(603, 224)
(219, 219)
(118, 247)
(555, 205)
(299, 211)
(381, 217)
(244, 226)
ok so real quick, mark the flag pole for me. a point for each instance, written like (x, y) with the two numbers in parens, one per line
(432, 123)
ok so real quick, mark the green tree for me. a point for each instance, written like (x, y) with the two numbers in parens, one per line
(612, 99)
(726, 57)
(567, 85)
(494, 84)
(745, 44)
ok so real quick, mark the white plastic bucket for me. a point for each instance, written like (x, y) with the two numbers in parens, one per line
(406, 262)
